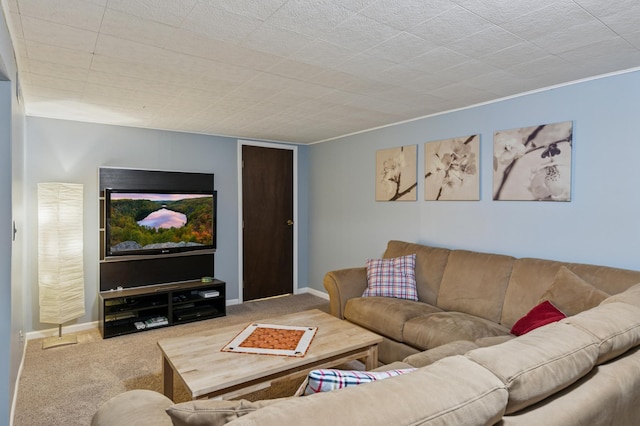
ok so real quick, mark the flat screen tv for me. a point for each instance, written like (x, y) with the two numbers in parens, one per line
(159, 222)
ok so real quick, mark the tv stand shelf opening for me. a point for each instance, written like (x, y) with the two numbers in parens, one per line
(138, 309)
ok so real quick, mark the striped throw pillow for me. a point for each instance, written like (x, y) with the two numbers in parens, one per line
(324, 380)
(392, 278)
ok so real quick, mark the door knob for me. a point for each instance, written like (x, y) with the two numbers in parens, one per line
(289, 222)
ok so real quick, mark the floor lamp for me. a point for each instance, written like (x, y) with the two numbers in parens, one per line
(60, 260)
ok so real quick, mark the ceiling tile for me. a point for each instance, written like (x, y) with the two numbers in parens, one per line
(56, 83)
(509, 56)
(574, 37)
(168, 12)
(485, 42)
(259, 9)
(57, 34)
(561, 14)
(322, 53)
(228, 26)
(364, 65)
(295, 70)
(52, 69)
(401, 48)
(73, 13)
(404, 14)
(624, 21)
(59, 55)
(130, 83)
(437, 59)
(275, 40)
(311, 17)
(454, 24)
(500, 11)
(359, 33)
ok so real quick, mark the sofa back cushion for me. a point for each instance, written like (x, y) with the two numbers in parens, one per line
(531, 278)
(539, 363)
(571, 294)
(616, 325)
(475, 283)
(430, 264)
(630, 296)
(452, 391)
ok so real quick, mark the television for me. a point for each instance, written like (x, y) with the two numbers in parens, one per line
(153, 222)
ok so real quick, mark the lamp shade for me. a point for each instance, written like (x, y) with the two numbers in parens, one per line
(60, 247)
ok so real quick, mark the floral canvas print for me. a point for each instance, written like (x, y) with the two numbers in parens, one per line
(396, 174)
(533, 163)
(451, 169)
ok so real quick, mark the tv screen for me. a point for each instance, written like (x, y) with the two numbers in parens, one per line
(159, 222)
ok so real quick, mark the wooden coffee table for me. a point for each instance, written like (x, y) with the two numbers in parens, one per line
(206, 371)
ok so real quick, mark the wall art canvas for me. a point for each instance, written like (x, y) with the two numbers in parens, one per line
(533, 163)
(451, 169)
(396, 174)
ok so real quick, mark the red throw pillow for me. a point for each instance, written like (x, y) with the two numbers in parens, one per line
(544, 313)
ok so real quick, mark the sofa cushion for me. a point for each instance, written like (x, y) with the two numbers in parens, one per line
(424, 358)
(542, 314)
(475, 283)
(439, 328)
(540, 363)
(135, 407)
(453, 391)
(616, 325)
(392, 277)
(365, 311)
(213, 412)
(493, 340)
(571, 294)
(329, 379)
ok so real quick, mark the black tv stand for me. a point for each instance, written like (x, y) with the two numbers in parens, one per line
(143, 292)
(132, 310)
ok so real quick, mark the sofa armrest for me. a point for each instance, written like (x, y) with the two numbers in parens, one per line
(342, 285)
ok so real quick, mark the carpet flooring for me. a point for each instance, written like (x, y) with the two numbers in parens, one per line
(66, 385)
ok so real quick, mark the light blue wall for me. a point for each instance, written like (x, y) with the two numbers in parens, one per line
(72, 151)
(600, 225)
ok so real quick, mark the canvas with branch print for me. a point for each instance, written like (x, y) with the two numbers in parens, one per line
(452, 169)
(396, 174)
(533, 163)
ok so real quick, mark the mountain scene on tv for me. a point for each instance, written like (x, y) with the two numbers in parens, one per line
(160, 221)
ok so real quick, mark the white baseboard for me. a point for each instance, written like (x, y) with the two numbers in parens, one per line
(67, 329)
(313, 291)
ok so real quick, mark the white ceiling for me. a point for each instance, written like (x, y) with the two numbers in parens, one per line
(304, 70)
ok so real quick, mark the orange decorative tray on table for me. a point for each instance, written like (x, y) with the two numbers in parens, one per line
(272, 339)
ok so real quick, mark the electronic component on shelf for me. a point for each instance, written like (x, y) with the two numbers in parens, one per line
(139, 325)
(209, 293)
(156, 322)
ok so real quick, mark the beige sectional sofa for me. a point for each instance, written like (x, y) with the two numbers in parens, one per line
(581, 370)
(466, 296)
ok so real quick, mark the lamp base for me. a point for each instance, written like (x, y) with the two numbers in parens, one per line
(55, 341)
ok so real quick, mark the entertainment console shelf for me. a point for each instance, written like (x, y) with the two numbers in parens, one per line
(157, 246)
(131, 310)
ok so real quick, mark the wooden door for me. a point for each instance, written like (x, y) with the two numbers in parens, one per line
(267, 214)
